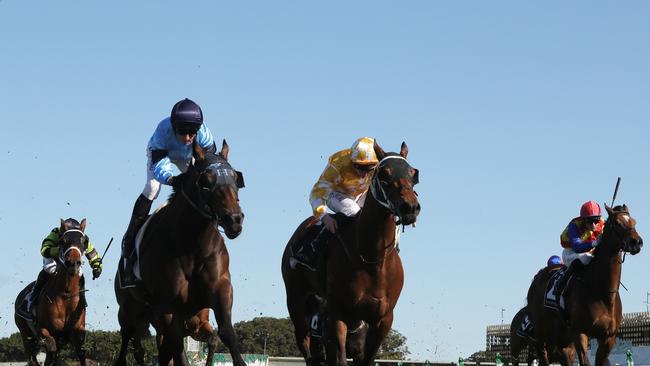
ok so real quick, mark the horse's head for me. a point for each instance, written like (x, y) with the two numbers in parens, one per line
(393, 182)
(72, 245)
(216, 185)
(622, 227)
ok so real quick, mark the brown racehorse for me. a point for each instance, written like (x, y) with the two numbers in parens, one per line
(518, 343)
(184, 263)
(593, 304)
(61, 309)
(364, 274)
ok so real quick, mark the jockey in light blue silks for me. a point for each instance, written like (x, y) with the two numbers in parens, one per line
(170, 144)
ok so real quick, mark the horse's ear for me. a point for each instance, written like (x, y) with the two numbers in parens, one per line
(62, 226)
(404, 150)
(224, 150)
(82, 225)
(197, 151)
(379, 151)
(609, 210)
(625, 208)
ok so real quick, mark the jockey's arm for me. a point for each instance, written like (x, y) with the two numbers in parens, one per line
(205, 140)
(577, 243)
(163, 169)
(50, 245)
(322, 189)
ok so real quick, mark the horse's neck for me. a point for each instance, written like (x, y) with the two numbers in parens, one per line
(375, 230)
(64, 283)
(606, 268)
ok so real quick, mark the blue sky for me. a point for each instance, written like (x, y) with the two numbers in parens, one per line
(514, 112)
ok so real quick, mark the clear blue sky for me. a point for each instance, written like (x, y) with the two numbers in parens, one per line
(515, 112)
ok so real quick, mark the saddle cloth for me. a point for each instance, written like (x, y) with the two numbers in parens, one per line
(550, 300)
(138, 241)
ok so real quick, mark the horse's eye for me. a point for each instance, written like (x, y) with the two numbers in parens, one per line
(384, 182)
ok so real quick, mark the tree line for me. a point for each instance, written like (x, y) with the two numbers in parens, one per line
(262, 335)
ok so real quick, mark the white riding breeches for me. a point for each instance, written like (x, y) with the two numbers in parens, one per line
(152, 186)
(568, 256)
(346, 205)
(49, 265)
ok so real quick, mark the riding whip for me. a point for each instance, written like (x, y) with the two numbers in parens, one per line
(111, 242)
(618, 182)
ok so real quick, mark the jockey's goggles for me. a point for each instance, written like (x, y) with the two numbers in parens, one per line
(186, 131)
(592, 220)
(364, 167)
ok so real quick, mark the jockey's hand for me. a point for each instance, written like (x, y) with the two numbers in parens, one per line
(174, 181)
(97, 269)
(330, 223)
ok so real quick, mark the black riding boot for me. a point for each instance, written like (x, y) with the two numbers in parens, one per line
(32, 296)
(575, 266)
(138, 217)
(308, 254)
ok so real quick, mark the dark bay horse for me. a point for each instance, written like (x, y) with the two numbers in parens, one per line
(593, 303)
(364, 274)
(61, 309)
(519, 342)
(184, 264)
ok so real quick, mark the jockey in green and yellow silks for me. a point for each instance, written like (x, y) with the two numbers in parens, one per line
(50, 250)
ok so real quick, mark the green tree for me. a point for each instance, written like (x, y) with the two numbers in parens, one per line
(274, 333)
(394, 347)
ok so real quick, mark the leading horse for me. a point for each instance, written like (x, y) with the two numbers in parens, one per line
(61, 309)
(593, 303)
(183, 263)
(364, 274)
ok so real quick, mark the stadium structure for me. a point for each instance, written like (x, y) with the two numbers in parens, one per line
(634, 334)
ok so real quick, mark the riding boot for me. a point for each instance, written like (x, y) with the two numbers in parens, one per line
(575, 266)
(138, 217)
(308, 254)
(32, 296)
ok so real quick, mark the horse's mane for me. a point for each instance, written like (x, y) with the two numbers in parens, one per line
(209, 159)
(618, 208)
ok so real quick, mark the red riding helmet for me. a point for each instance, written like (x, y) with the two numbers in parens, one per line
(590, 209)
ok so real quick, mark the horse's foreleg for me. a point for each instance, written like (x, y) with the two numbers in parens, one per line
(50, 346)
(206, 334)
(78, 340)
(171, 342)
(376, 335)
(581, 343)
(542, 354)
(297, 313)
(604, 348)
(336, 334)
(222, 312)
(567, 355)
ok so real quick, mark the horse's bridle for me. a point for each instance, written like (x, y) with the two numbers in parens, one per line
(63, 254)
(625, 246)
(377, 189)
(226, 175)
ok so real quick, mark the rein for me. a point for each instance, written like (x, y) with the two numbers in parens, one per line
(379, 194)
(202, 212)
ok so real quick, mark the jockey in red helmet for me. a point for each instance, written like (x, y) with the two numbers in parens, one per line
(579, 239)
